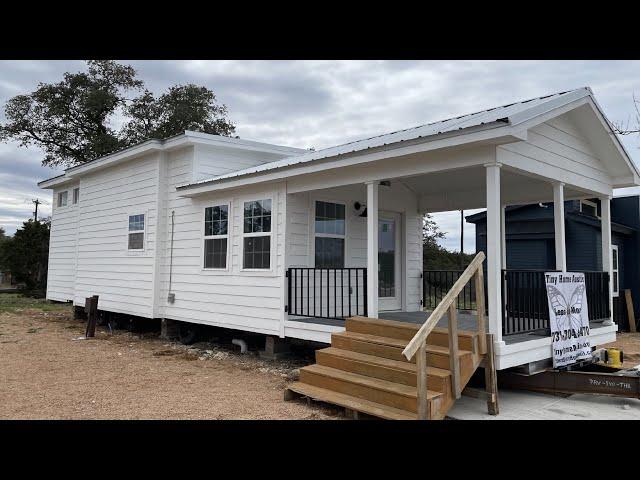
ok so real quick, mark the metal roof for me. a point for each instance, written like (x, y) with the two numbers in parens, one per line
(503, 114)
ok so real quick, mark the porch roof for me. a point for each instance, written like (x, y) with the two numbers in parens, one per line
(497, 118)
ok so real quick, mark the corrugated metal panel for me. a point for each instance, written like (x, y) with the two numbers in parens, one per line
(493, 115)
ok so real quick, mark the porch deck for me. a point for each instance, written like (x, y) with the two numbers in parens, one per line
(466, 321)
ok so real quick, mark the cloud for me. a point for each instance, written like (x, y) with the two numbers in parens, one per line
(324, 103)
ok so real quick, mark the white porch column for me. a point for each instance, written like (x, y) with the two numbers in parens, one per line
(558, 222)
(494, 255)
(372, 249)
(607, 263)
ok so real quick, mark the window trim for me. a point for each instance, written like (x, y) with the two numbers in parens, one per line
(66, 203)
(243, 235)
(314, 201)
(591, 204)
(615, 292)
(75, 200)
(137, 251)
(203, 237)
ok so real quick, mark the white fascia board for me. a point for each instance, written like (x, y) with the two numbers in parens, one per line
(548, 106)
(187, 138)
(571, 101)
(616, 141)
(488, 132)
(229, 142)
(55, 182)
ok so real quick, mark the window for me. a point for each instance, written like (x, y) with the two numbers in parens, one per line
(136, 232)
(329, 235)
(62, 199)
(589, 207)
(216, 229)
(257, 235)
(76, 195)
(614, 262)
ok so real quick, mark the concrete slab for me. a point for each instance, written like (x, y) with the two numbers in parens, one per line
(519, 405)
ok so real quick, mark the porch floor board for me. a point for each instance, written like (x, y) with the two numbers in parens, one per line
(466, 321)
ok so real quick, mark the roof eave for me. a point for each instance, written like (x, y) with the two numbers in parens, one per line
(498, 130)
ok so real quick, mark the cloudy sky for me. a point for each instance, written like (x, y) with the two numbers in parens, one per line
(323, 103)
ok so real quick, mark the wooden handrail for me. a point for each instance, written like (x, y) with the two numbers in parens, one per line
(421, 335)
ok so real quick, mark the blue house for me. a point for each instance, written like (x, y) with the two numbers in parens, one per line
(529, 238)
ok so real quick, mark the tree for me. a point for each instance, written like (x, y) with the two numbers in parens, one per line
(430, 231)
(26, 254)
(434, 256)
(183, 107)
(3, 240)
(71, 121)
(624, 128)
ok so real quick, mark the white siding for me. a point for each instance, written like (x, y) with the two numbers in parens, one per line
(244, 300)
(559, 143)
(123, 279)
(213, 161)
(300, 232)
(62, 247)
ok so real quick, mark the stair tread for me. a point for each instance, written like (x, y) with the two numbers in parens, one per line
(395, 342)
(354, 403)
(408, 326)
(370, 382)
(382, 361)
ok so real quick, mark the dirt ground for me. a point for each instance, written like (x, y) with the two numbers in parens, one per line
(629, 343)
(49, 371)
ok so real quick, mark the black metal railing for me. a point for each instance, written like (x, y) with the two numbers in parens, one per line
(437, 283)
(335, 293)
(524, 300)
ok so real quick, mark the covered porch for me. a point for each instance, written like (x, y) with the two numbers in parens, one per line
(380, 272)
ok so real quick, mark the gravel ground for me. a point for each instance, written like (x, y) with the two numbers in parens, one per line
(49, 371)
(629, 343)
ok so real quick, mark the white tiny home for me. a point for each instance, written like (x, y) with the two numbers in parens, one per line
(288, 242)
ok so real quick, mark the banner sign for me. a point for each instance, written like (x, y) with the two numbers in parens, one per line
(568, 317)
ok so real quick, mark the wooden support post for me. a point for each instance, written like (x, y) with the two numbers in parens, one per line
(490, 377)
(454, 359)
(630, 313)
(91, 307)
(480, 309)
(421, 367)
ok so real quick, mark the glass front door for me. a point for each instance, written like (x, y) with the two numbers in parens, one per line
(389, 258)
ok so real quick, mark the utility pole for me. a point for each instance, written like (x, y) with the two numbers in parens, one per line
(35, 214)
(461, 239)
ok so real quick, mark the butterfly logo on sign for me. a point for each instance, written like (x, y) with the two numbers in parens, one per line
(567, 313)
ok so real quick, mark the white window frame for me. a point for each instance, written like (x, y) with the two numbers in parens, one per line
(591, 204)
(327, 235)
(243, 235)
(75, 199)
(207, 237)
(134, 251)
(59, 204)
(615, 270)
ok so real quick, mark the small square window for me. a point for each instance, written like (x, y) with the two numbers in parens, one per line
(62, 199)
(215, 253)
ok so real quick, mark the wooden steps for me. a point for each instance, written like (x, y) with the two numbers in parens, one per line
(364, 369)
(352, 403)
